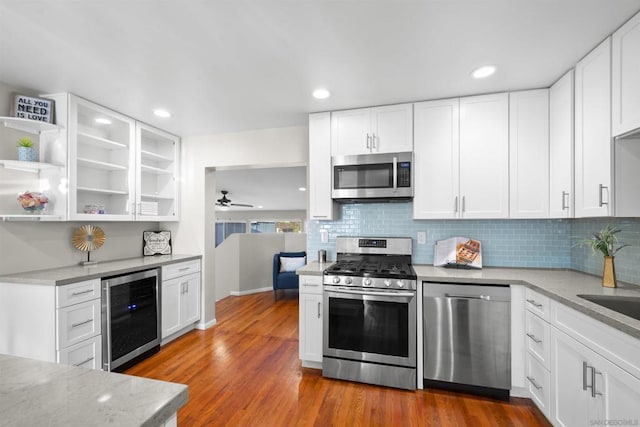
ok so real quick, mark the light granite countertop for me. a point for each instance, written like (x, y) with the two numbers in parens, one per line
(77, 273)
(561, 285)
(36, 393)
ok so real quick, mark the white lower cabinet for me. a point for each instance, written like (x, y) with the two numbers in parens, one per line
(180, 298)
(589, 389)
(87, 354)
(310, 318)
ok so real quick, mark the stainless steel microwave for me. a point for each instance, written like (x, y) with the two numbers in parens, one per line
(372, 177)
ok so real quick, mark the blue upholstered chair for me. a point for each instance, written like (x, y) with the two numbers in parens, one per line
(285, 265)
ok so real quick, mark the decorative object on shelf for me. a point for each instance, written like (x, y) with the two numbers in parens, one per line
(33, 201)
(156, 243)
(26, 150)
(94, 209)
(606, 242)
(88, 238)
(37, 109)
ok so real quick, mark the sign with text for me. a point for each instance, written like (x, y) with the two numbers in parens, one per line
(38, 109)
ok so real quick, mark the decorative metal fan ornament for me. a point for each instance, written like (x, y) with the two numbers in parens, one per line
(88, 238)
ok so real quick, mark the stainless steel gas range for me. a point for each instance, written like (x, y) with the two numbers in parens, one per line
(370, 312)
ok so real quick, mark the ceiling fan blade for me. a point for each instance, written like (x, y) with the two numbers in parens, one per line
(241, 204)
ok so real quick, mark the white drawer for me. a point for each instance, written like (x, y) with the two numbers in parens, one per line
(536, 303)
(87, 354)
(310, 284)
(538, 338)
(78, 322)
(539, 385)
(180, 269)
(75, 293)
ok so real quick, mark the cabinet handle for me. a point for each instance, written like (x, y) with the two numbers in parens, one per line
(185, 287)
(368, 143)
(594, 372)
(533, 382)
(395, 174)
(533, 337)
(75, 294)
(319, 310)
(564, 196)
(464, 207)
(373, 141)
(534, 303)
(84, 361)
(601, 202)
(184, 269)
(585, 384)
(455, 205)
(75, 325)
(321, 216)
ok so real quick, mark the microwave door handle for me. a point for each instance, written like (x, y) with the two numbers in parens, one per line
(395, 174)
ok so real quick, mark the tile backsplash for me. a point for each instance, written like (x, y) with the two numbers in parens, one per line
(533, 243)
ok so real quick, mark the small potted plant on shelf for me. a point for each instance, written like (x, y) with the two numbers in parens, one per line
(606, 242)
(26, 150)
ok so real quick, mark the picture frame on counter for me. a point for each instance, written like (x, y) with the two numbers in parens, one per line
(31, 108)
(156, 243)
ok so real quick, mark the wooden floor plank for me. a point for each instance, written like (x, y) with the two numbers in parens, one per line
(245, 372)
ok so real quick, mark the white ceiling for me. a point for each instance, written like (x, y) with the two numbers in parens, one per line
(275, 189)
(233, 65)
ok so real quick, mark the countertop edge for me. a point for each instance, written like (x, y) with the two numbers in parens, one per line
(539, 280)
(76, 273)
(170, 408)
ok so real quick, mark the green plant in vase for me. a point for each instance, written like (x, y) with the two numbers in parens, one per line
(26, 150)
(606, 242)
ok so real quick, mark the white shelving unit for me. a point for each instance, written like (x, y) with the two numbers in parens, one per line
(157, 187)
(47, 176)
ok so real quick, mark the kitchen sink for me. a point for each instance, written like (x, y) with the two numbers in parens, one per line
(629, 306)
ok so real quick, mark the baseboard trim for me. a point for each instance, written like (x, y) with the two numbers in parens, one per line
(205, 325)
(250, 291)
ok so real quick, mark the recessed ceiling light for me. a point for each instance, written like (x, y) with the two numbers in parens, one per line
(484, 71)
(321, 93)
(103, 121)
(302, 188)
(162, 113)
(259, 206)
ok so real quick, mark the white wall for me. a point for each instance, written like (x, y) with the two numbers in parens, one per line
(200, 156)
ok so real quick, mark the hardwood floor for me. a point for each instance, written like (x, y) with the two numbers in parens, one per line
(245, 371)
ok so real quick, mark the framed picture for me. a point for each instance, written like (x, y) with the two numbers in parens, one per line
(28, 107)
(156, 243)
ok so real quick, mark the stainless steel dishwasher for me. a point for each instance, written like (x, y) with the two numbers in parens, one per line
(467, 338)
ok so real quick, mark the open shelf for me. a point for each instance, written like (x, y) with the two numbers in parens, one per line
(100, 165)
(33, 167)
(101, 191)
(96, 141)
(156, 197)
(26, 125)
(29, 217)
(148, 155)
(154, 170)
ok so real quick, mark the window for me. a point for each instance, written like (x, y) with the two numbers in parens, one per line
(276, 226)
(225, 229)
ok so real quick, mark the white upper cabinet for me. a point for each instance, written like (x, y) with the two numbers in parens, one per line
(437, 170)
(101, 162)
(320, 201)
(119, 169)
(626, 77)
(593, 168)
(529, 154)
(158, 162)
(386, 129)
(484, 156)
(561, 147)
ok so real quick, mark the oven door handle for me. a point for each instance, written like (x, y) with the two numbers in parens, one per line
(374, 293)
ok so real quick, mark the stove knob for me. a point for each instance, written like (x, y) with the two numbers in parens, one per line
(367, 282)
(348, 280)
(336, 279)
(400, 284)
(387, 283)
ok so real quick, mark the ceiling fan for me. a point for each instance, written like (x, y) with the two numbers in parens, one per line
(225, 202)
